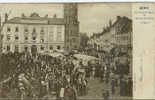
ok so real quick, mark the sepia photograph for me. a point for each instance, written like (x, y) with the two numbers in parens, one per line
(66, 51)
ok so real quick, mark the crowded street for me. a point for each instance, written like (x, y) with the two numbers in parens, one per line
(25, 75)
(62, 52)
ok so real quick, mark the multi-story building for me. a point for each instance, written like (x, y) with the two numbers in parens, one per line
(118, 34)
(122, 34)
(40, 34)
(117, 40)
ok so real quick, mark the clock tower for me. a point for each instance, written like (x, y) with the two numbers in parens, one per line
(72, 39)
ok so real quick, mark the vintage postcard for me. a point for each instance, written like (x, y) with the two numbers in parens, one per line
(73, 51)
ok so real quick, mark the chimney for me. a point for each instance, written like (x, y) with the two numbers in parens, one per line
(6, 17)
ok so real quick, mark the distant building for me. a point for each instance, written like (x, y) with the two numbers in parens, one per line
(122, 33)
(40, 34)
(118, 34)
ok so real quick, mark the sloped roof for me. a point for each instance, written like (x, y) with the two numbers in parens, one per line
(36, 20)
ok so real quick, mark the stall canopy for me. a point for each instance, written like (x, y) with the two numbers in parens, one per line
(56, 54)
(85, 58)
(80, 56)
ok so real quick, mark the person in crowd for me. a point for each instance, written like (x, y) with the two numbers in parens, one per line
(56, 75)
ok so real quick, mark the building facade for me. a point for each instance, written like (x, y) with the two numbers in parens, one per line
(118, 34)
(122, 34)
(41, 34)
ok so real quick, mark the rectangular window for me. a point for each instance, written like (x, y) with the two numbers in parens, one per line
(16, 48)
(34, 38)
(68, 40)
(8, 29)
(25, 30)
(74, 40)
(16, 37)
(8, 47)
(26, 38)
(51, 35)
(75, 46)
(58, 47)
(26, 48)
(42, 30)
(71, 33)
(8, 37)
(16, 29)
(59, 30)
(34, 30)
(42, 48)
(51, 47)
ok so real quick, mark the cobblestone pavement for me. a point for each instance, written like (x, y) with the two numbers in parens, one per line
(96, 89)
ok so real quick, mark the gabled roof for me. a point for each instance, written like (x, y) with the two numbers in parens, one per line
(36, 20)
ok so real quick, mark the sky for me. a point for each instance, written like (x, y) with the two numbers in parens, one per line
(92, 16)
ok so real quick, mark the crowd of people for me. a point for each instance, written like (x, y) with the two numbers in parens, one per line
(25, 75)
